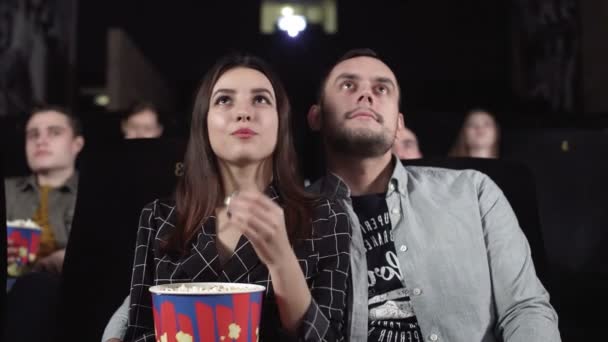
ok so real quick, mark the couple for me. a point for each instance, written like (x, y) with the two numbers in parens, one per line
(375, 252)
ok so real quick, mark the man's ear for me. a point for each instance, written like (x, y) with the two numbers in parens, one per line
(400, 121)
(314, 118)
(78, 144)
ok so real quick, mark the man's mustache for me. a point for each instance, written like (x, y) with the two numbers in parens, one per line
(377, 116)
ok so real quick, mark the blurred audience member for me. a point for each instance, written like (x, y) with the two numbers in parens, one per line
(479, 136)
(53, 140)
(406, 143)
(142, 121)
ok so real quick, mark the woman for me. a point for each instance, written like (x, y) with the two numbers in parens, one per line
(479, 136)
(240, 148)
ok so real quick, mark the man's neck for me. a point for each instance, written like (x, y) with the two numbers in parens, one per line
(54, 178)
(363, 176)
(249, 177)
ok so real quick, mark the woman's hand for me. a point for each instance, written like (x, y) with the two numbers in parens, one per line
(262, 221)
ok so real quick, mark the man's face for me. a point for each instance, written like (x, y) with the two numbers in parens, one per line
(360, 108)
(143, 124)
(50, 143)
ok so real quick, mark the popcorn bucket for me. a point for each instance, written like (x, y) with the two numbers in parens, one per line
(25, 237)
(207, 312)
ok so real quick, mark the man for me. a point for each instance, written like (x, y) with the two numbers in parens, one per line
(53, 140)
(439, 254)
(436, 255)
(142, 121)
(406, 143)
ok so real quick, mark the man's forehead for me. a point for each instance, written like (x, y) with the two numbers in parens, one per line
(363, 67)
(48, 119)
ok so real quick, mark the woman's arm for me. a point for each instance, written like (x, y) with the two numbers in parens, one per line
(141, 322)
(326, 316)
(316, 314)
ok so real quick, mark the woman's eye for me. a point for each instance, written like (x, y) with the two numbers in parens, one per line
(261, 99)
(222, 100)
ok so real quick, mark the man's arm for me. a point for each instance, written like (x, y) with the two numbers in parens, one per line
(117, 326)
(522, 303)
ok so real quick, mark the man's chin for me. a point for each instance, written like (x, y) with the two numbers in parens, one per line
(360, 147)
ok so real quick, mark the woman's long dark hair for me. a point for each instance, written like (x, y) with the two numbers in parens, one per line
(200, 191)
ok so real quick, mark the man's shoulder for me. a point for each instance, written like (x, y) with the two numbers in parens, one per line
(453, 183)
(444, 176)
(15, 184)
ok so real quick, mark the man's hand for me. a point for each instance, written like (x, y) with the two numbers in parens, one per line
(52, 263)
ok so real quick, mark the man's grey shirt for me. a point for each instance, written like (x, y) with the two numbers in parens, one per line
(463, 256)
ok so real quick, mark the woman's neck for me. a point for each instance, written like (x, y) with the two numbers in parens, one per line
(481, 152)
(254, 176)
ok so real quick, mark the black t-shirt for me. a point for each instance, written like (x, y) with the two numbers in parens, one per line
(391, 316)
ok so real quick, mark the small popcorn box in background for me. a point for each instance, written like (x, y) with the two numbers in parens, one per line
(24, 237)
(207, 312)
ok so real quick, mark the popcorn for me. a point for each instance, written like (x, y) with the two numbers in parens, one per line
(183, 337)
(183, 288)
(23, 224)
(234, 331)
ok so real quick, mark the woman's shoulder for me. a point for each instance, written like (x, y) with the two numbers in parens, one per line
(159, 210)
(330, 215)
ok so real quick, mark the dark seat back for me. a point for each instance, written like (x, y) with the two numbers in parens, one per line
(570, 166)
(2, 249)
(116, 180)
(12, 146)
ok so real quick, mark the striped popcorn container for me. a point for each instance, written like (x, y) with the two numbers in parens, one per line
(207, 312)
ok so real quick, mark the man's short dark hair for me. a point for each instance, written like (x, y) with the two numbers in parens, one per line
(73, 120)
(140, 107)
(350, 54)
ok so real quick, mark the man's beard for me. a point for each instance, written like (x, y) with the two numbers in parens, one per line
(358, 143)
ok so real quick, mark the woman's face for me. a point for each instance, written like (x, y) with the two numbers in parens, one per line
(243, 119)
(480, 130)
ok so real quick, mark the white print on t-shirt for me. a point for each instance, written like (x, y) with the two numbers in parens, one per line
(392, 309)
(378, 240)
(386, 272)
(397, 336)
(374, 223)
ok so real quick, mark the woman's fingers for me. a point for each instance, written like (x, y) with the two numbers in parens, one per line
(251, 206)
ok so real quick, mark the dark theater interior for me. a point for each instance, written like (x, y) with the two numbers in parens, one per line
(123, 78)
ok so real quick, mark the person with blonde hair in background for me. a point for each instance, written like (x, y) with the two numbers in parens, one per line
(479, 136)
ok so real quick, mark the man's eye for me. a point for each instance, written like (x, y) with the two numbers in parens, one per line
(348, 85)
(382, 89)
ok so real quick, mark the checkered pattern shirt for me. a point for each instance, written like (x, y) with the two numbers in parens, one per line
(324, 259)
